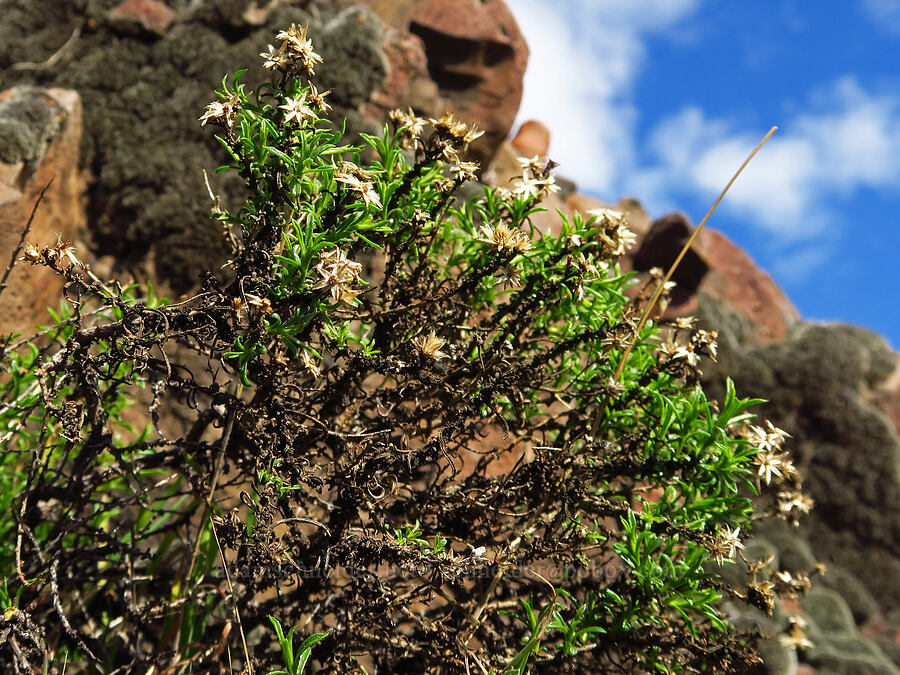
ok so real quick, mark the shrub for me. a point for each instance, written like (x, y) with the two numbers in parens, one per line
(407, 424)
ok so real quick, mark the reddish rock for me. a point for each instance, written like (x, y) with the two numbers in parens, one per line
(46, 126)
(717, 268)
(887, 396)
(408, 83)
(477, 57)
(532, 139)
(152, 15)
(736, 280)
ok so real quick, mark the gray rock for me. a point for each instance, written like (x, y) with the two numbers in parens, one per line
(829, 612)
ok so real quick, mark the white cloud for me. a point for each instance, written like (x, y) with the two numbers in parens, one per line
(802, 264)
(851, 141)
(585, 56)
(884, 13)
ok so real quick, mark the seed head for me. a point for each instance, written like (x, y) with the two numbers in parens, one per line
(430, 346)
(339, 275)
(223, 112)
(503, 238)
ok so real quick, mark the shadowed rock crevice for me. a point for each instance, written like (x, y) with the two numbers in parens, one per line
(661, 246)
(456, 63)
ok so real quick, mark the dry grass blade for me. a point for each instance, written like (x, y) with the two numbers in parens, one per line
(662, 283)
(237, 614)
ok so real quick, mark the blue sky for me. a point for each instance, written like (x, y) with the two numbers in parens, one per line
(663, 99)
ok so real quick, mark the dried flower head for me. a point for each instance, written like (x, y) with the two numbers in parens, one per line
(358, 181)
(673, 352)
(275, 59)
(409, 127)
(296, 109)
(430, 346)
(61, 250)
(31, 254)
(792, 504)
(222, 112)
(704, 343)
(318, 99)
(613, 231)
(536, 181)
(684, 322)
(455, 131)
(259, 304)
(768, 465)
(295, 54)
(726, 545)
(339, 276)
(762, 594)
(508, 276)
(463, 171)
(503, 238)
(451, 137)
(770, 438)
(309, 364)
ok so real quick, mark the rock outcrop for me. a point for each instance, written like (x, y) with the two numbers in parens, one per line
(476, 57)
(719, 270)
(821, 382)
(145, 70)
(40, 135)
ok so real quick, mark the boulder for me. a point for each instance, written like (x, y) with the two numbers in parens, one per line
(476, 57)
(151, 16)
(726, 274)
(40, 135)
(533, 138)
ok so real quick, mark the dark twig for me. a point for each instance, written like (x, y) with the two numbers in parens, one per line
(21, 244)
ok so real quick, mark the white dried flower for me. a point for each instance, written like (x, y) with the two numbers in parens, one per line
(339, 275)
(306, 359)
(356, 179)
(503, 238)
(224, 111)
(768, 465)
(430, 346)
(614, 232)
(296, 109)
(726, 545)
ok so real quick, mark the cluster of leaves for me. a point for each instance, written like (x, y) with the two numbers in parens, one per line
(430, 435)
